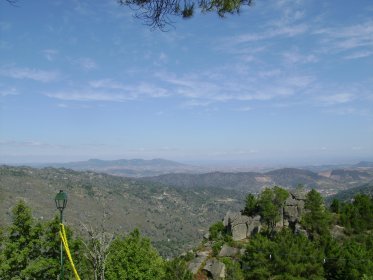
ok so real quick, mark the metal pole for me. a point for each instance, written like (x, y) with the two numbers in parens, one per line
(62, 259)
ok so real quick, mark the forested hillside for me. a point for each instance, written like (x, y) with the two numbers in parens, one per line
(327, 182)
(174, 218)
(325, 243)
(333, 243)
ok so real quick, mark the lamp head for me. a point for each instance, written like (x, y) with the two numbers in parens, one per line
(61, 200)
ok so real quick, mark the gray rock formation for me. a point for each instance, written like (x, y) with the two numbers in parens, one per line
(241, 226)
(299, 230)
(214, 269)
(228, 251)
(293, 208)
(196, 263)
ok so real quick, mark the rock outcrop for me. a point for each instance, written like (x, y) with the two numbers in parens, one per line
(214, 269)
(199, 259)
(293, 208)
(228, 251)
(241, 226)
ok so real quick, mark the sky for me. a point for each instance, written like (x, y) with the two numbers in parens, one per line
(285, 82)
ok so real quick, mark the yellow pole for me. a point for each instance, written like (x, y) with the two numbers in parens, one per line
(67, 250)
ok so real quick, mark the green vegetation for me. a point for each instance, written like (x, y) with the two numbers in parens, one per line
(169, 216)
(281, 253)
(31, 250)
(317, 219)
(334, 243)
(133, 257)
(286, 256)
(358, 215)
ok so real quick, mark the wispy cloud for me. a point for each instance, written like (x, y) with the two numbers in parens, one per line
(50, 54)
(28, 73)
(8, 91)
(244, 109)
(27, 144)
(207, 88)
(347, 37)
(196, 103)
(338, 98)
(283, 31)
(87, 63)
(295, 57)
(108, 90)
(359, 54)
(343, 111)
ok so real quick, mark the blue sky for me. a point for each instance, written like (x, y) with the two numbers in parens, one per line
(286, 82)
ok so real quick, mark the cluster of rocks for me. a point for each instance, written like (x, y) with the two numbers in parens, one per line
(242, 227)
(212, 267)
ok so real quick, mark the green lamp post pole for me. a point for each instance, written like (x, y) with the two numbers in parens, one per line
(61, 201)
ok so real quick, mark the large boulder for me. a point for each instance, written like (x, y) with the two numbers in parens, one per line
(241, 226)
(293, 207)
(228, 251)
(199, 259)
(254, 226)
(291, 213)
(215, 270)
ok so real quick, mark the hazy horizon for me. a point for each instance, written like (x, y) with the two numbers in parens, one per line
(283, 83)
(217, 164)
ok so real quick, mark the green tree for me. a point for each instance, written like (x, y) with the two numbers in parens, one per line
(287, 256)
(316, 219)
(350, 260)
(270, 203)
(177, 269)
(20, 245)
(251, 205)
(156, 13)
(362, 218)
(31, 250)
(232, 269)
(216, 230)
(335, 207)
(133, 257)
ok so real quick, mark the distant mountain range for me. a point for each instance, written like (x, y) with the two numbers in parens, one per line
(126, 167)
(327, 179)
(326, 182)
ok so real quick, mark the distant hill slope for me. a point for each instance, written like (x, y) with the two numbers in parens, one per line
(174, 218)
(347, 195)
(250, 181)
(349, 175)
(364, 164)
(126, 167)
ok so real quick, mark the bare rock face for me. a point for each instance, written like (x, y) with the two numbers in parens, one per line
(299, 230)
(228, 251)
(293, 208)
(196, 263)
(215, 270)
(241, 226)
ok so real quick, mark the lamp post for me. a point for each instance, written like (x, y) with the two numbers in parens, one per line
(61, 201)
